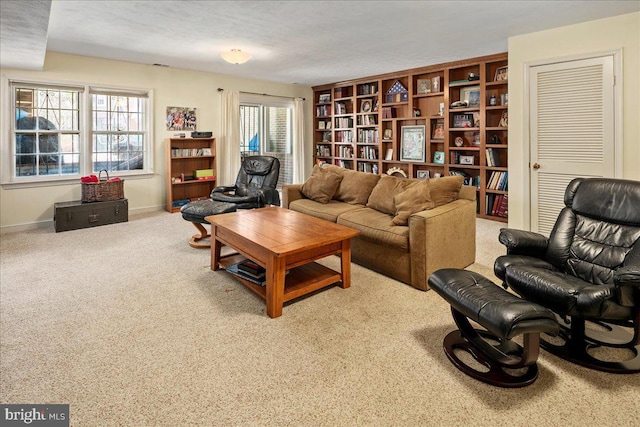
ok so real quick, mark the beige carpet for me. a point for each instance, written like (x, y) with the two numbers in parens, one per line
(128, 325)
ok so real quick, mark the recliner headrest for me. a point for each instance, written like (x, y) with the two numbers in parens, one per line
(258, 165)
(617, 200)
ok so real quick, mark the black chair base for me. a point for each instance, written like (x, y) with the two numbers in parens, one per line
(195, 212)
(497, 373)
(577, 344)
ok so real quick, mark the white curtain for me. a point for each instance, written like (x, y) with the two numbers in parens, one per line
(229, 145)
(298, 141)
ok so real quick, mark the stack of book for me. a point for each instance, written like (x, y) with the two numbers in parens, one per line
(248, 270)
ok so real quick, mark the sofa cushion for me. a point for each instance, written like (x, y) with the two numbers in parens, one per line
(321, 185)
(376, 227)
(381, 198)
(414, 199)
(355, 186)
(328, 211)
(445, 190)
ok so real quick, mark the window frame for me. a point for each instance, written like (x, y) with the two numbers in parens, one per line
(7, 137)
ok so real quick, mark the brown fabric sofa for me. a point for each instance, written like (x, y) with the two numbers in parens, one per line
(440, 220)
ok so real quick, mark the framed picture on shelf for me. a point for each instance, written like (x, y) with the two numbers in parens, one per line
(438, 130)
(471, 94)
(412, 144)
(424, 86)
(501, 74)
(466, 160)
(463, 120)
(438, 157)
(435, 84)
(389, 155)
(324, 98)
(321, 125)
(388, 134)
(365, 107)
(422, 174)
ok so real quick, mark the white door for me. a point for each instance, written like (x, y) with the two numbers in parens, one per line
(572, 131)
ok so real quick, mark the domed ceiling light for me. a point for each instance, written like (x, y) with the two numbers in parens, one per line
(235, 56)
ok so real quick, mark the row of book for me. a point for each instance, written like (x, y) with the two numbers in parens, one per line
(367, 120)
(341, 108)
(498, 181)
(370, 153)
(344, 136)
(323, 150)
(498, 205)
(369, 136)
(344, 122)
(473, 181)
(190, 152)
(493, 158)
(323, 110)
(368, 89)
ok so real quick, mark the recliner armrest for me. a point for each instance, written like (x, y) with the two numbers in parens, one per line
(629, 275)
(523, 242)
(224, 189)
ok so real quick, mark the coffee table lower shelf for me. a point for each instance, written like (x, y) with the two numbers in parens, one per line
(300, 280)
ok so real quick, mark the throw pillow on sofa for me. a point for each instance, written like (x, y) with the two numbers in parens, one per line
(416, 198)
(321, 185)
(381, 198)
(445, 190)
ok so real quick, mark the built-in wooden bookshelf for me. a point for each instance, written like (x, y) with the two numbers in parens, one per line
(359, 125)
(183, 157)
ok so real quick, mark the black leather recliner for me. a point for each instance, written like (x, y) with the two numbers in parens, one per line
(255, 185)
(588, 270)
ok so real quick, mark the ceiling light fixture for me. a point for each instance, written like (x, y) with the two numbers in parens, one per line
(235, 56)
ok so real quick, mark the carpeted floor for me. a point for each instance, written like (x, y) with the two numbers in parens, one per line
(128, 325)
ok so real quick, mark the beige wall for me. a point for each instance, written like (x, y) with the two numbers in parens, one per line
(604, 35)
(172, 87)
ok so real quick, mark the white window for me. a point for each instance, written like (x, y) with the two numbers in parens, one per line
(62, 132)
(266, 128)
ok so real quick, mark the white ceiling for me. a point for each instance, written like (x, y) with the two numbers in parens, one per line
(304, 42)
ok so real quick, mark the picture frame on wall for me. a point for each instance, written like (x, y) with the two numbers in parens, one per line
(412, 143)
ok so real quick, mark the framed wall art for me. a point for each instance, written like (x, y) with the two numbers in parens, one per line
(181, 118)
(412, 144)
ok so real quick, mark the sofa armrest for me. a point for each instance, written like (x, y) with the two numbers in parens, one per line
(443, 237)
(290, 193)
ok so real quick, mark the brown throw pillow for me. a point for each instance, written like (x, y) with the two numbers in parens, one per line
(445, 190)
(381, 198)
(321, 185)
(416, 198)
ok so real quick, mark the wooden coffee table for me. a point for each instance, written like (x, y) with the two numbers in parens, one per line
(279, 240)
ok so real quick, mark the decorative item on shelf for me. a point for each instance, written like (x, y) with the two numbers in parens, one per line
(463, 120)
(471, 95)
(388, 112)
(376, 105)
(416, 112)
(459, 104)
(324, 98)
(438, 130)
(435, 84)
(501, 74)
(394, 171)
(492, 100)
(466, 160)
(476, 139)
(476, 119)
(365, 106)
(441, 109)
(504, 99)
(504, 120)
(388, 134)
(422, 174)
(495, 139)
(321, 125)
(459, 141)
(473, 77)
(424, 86)
(397, 93)
(438, 157)
(412, 144)
(389, 155)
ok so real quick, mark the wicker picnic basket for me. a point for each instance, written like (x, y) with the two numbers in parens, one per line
(103, 190)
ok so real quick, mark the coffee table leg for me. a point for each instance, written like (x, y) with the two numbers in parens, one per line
(216, 247)
(275, 287)
(345, 263)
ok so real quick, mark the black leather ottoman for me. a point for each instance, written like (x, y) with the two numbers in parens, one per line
(504, 316)
(195, 212)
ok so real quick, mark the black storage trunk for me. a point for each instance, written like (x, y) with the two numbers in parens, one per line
(75, 215)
